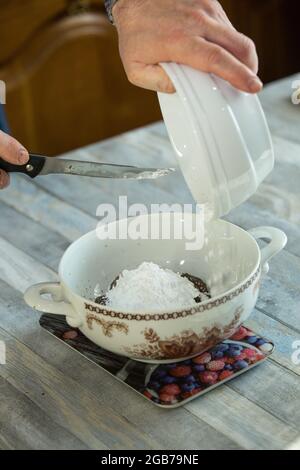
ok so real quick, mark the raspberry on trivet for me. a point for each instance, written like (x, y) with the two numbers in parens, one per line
(193, 392)
(229, 360)
(241, 357)
(71, 334)
(147, 394)
(215, 365)
(225, 374)
(208, 377)
(240, 334)
(171, 389)
(180, 371)
(250, 353)
(257, 357)
(165, 397)
(203, 359)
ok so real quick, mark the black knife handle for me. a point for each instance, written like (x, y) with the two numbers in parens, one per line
(32, 168)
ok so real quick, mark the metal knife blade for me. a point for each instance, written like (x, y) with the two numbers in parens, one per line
(100, 170)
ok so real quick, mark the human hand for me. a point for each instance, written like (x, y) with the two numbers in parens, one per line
(13, 152)
(191, 32)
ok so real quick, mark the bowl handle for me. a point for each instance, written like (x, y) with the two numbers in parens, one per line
(277, 241)
(57, 304)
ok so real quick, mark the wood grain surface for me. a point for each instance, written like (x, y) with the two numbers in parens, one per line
(53, 397)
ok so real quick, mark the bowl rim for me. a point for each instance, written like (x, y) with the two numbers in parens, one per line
(206, 305)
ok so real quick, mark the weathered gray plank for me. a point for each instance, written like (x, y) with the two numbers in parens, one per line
(282, 115)
(4, 445)
(75, 407)
(282, 336)
(20, 269)
(25, 196)
(31, 237)
(25, 426)
(280, 294)
(248, 215)
(275, 390)
(242, 420)
(23, 323)
(67, 402)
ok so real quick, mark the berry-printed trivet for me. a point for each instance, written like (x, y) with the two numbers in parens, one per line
(171, 385)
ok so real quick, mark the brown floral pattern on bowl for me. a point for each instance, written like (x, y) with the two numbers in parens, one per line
(107, 326)
(185, 344)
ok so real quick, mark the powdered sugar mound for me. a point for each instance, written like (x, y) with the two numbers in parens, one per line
(150, 288)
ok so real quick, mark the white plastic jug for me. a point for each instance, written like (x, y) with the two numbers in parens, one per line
(220, 135)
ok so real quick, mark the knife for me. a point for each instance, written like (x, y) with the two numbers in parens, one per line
(41, 165)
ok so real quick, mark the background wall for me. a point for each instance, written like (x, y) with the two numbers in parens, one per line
(65, 82)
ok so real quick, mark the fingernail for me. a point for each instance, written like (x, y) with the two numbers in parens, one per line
(255, 84)
(23, 156)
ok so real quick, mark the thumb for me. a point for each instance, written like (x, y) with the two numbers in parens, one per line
(151, 77)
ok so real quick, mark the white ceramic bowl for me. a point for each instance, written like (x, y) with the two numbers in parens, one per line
(220, 136)
(160, 336)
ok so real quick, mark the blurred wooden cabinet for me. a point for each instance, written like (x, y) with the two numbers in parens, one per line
(65, 82)
(274, 26)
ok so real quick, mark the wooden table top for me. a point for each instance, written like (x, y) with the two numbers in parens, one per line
(52, 397)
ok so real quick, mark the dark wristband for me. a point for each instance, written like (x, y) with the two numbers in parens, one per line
(109, 4)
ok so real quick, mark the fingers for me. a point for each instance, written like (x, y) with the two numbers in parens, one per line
(239, 45)
(4, 179)
(11, 150)
(151, 77)
(212, 58)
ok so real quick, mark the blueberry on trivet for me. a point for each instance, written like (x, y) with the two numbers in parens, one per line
(260, 342)
(187, 387)
(236, 346)
(217, 354)
(158, 373)
(190, 378)
(220, 348)
(167, 379)
(198, 367)
(233, 352)
(239, 365)
(154, 385)
(171, 366)
(252, 339)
